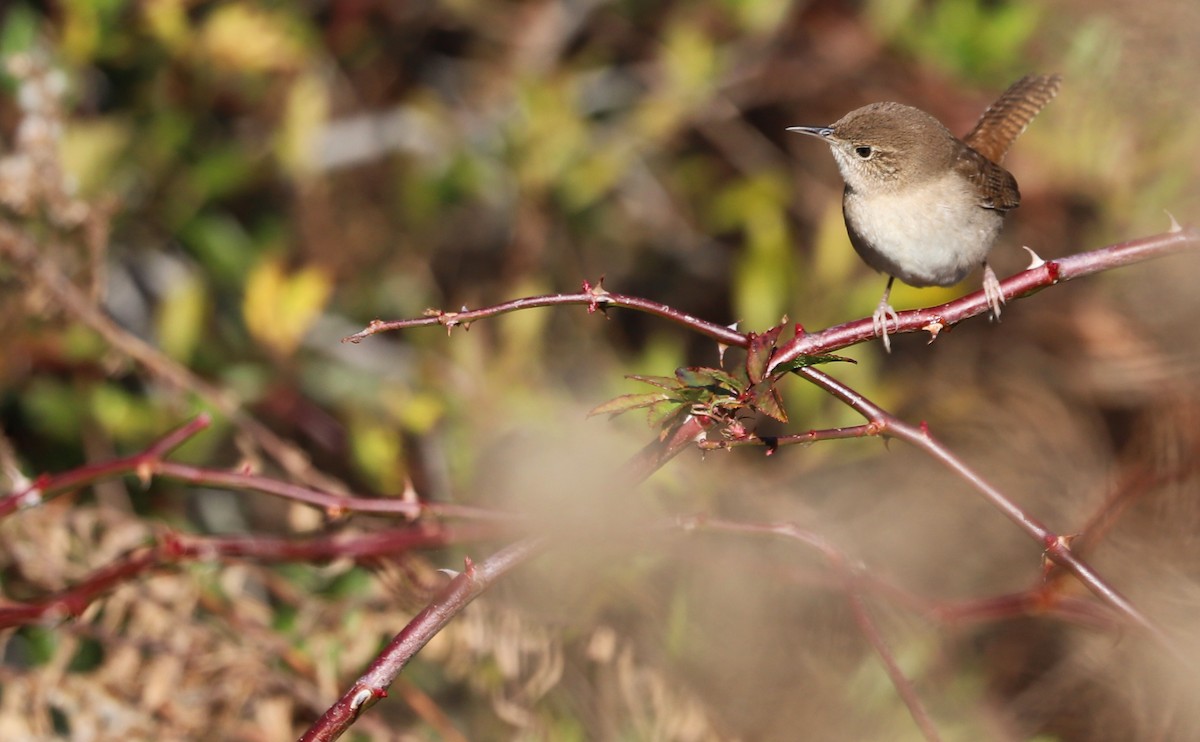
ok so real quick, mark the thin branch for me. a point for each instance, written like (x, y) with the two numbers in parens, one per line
(1025, 283)
(173, 548)
(594, 299)
(149, 463)
(900, 681)
(931, 319)
(373, 684)
(1055, 547)
(772, 442)
(656, 454)
(335, 505)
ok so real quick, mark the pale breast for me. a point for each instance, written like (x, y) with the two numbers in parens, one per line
(931, 235)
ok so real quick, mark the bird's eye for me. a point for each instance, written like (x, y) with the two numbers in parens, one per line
(864, 152)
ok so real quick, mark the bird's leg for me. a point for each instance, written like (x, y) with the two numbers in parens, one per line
(883, 312)
(991, 290)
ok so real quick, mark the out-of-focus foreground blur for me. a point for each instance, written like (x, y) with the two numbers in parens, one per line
(266, 178)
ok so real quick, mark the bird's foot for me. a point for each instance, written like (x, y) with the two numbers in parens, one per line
(992, 292)
(879, 321)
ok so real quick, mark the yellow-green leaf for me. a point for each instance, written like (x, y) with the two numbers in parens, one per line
(279, 308)
(180, 319)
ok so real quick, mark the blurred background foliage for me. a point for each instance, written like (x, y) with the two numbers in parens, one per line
(281, 173)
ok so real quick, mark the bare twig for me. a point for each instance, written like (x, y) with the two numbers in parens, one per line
(150, 463)
(931, 319)
(173, 548)
(1025, 283)
(373, 684)
(1056, 547)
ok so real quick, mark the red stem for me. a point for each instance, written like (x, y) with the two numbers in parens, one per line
(460, 591)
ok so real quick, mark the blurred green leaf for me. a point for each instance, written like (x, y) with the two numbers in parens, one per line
(763, 274)
(52, 408)
(91, 28)
(91, 150)
(222, 245)
(180, 319)
(759, 16)
(35, 645)
(17, 34)
(304, 115)
(125, 415)
(548, 136)
(378, 452)
(970, 38)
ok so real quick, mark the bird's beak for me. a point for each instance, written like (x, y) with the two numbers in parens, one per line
(824, 132)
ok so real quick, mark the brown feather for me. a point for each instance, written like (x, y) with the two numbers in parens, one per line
(1005, 119)
(997, 188)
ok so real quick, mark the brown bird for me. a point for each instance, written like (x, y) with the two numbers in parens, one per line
(922, 205)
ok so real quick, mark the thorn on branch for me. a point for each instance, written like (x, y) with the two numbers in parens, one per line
(599, 296)
(145, 472)
(722, 347)
(1035, 260)
(449, 320)
(1055, 544)
(934, 329)
(469, 567)
(365, 697)
(33, 494)
(409, 495)
(1174, 224)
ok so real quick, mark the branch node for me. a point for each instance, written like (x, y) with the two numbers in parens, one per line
(34, 492)
(599, 295)
(365, 697)
(145, 472)
(449, 320)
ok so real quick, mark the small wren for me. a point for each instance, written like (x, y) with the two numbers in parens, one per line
(922, 205)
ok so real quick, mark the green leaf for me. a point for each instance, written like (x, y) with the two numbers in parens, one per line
(765, 398)
(758, 355)
(704, 377)
(663, 382)
(804, 361)
(627, 402)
